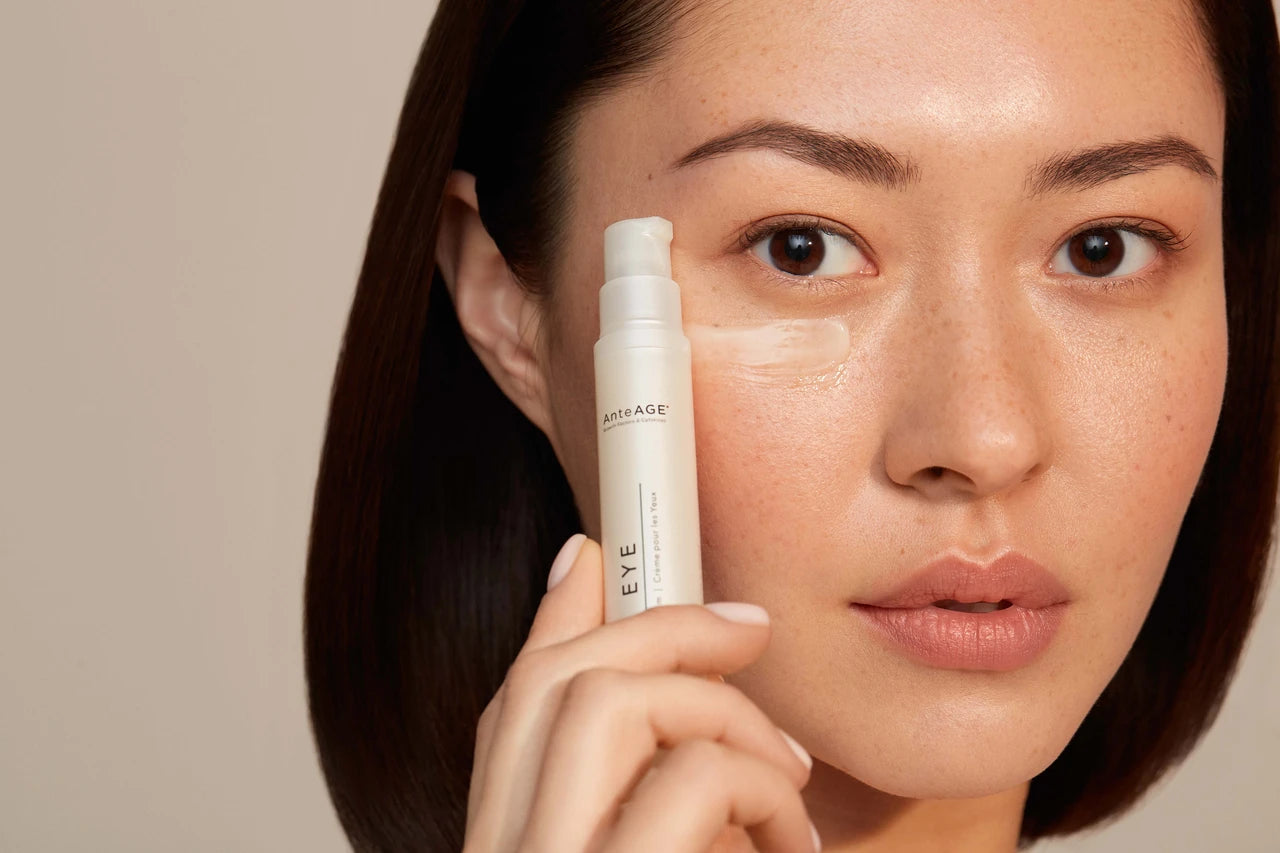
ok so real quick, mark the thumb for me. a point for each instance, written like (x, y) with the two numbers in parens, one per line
(574, 603)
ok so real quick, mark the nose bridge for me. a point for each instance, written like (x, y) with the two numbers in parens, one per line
(974, 322)
(971, 416)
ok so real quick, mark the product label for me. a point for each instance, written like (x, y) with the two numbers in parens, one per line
(655, 547)
(641, 573)
(649, 527)
(639, 413)
(629, 587)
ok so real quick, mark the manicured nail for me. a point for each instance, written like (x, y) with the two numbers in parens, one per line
(800, 751)
(739, 611)
(564, 560)
(817, 842)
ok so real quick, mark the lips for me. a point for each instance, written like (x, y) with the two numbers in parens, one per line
(1014, 579)
(925, 617)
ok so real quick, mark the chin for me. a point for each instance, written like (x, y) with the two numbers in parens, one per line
(918, 781)
(913, 768)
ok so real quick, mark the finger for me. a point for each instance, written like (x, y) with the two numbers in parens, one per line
(693, 638)
(554, 614)
(681, 638)
(575, 605)
(684, 804)
(575, 581)
(480, 757)
(673, 638)
(610, 726)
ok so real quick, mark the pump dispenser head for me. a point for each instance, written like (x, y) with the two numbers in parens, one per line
(638, 290)
(637, 247)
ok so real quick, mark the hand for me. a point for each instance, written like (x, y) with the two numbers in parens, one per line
(567, 751)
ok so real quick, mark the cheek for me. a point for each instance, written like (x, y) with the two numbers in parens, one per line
(1144, 414)
(778, 461)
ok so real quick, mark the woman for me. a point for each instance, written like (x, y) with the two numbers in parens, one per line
(1040, 224)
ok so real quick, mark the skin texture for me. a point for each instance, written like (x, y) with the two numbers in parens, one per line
(990, 399)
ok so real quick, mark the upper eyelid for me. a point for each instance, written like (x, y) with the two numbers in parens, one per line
(755, 232)
(1154, 231)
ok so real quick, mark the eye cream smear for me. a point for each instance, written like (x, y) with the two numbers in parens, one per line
(650, 534)
(782, 349)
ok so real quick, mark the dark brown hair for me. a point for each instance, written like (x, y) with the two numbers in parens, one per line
(439, 506)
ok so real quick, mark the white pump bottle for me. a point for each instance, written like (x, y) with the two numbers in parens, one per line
(650, 533)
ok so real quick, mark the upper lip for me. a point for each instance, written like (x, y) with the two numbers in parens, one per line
(1012, 577)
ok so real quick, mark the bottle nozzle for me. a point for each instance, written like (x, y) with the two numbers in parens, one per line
(637, 247)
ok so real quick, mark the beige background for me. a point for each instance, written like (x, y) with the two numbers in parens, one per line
(184, 195)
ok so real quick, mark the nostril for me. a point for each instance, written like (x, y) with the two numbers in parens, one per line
(936, 471)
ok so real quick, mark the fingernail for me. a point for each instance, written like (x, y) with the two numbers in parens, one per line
(739, 611)
(564, 560)
(800, 751)
(817, 842)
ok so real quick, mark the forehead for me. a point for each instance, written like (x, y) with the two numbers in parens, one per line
(954, 84)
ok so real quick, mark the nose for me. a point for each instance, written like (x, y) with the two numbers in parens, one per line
(971, 419)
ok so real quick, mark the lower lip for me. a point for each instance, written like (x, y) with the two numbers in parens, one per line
(1001, 640)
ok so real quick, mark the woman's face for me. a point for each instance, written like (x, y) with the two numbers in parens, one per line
(999, 391)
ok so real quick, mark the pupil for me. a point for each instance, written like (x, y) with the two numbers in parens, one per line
(798, 251)
(798, 246)
(1095, 247)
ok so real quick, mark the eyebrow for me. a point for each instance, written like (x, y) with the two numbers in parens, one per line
(870, 163)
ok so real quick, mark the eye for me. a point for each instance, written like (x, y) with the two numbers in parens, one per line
(1112, 250)
(802, 248)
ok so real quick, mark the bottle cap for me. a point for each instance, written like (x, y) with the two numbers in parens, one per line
(638, 292)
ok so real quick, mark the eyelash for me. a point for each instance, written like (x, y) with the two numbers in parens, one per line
(1166, 242)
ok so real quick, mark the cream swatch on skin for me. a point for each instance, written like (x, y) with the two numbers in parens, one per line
(778, 350)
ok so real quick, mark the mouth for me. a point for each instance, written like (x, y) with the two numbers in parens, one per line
(956, 613)
(973, 606)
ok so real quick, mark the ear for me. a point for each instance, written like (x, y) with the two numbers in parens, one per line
(498, 317)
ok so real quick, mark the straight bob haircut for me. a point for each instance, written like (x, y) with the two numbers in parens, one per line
(439, 506)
